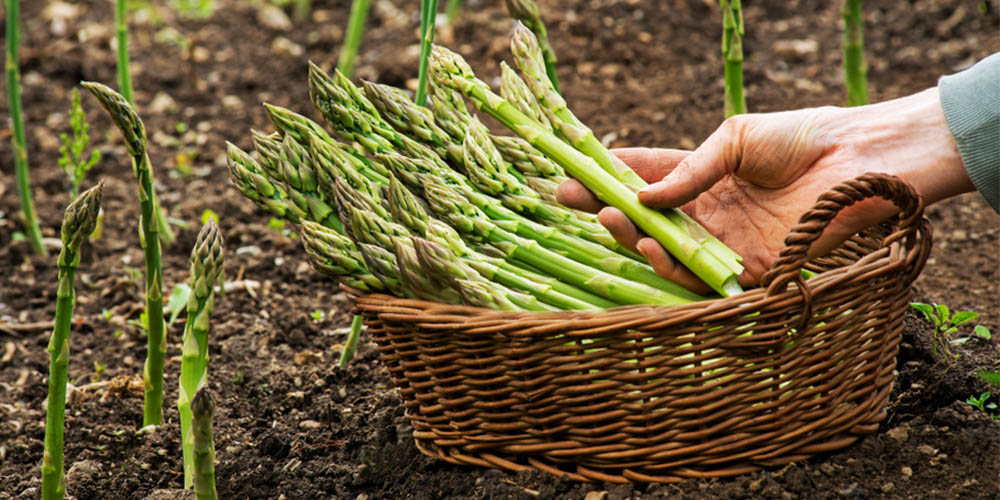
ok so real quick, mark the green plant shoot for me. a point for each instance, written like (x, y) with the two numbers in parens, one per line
(132, 129)
(526, 11)
(351, 345)
(855, 69)
(78, 222)
(732, 54)
(452, 10)
(352, 40)
(945, 323)
(72, 152)
(428, 15)
(206, 266)
(20, 147)
(204, 446)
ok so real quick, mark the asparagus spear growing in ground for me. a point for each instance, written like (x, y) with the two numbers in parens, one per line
(18, 139)
(451, 70)
(855, 71)
(351, 344)
(79, 221)
(732, 53)
(206, 267)
(131, 128)
(526, 11)
(355, 28)
(428, 15)
(203, 410)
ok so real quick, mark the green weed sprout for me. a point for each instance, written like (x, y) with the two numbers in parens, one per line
(78, 222)
(206, 267)
(352, 40)
(732, 53)
(945, 323)
(72, 158)
(855, 70)
(428, 15)
(452, 10)
(132, 129)
(982, 405)
(18, 139)
(202, 410)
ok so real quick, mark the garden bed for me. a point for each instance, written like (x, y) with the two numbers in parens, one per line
(288, 422)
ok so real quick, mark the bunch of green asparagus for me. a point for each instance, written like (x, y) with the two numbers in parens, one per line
(426, 202)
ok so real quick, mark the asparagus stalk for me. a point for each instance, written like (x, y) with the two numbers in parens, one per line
(202, 410)
(526, 12)
(18, 139)
(428, 15)
(516, 92)
(411, 212)
(248, 176)
(451, 70)
(451, 11)
(121, 32)
(132, 129)
(416, 121)
(855, 70)
(355, 28)
(421, 175)
(78, 222)
(352, 341)
(382, 264)
(206, 268)
(732, 53)
(166, 233)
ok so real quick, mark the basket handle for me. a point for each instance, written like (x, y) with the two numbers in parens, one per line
(809, 228)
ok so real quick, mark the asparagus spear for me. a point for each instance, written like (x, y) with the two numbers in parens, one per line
(411, 212)
(355, 28)
(516, 92)
(336, 256)
(203, 410)
(382, 264)
(526, 11)
(421, 175)
(855, 71)
(450, 69)
(18, 138)
(78, 222)
(352, 341)
(132, 129)
(732, 52)
(206, 268)
(249, 178)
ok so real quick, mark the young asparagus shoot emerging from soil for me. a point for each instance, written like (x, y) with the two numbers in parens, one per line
(732, 54)
(19, 143)
(687, 243)
(206, 267)
(202, 411)
(72, 151)
(855, 71)
(79, 221)
(351, 344)
(428, 15)
(355, 28)
(132, 129)
(526, 11)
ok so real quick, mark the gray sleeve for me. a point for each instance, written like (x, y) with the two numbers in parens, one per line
(971, 102)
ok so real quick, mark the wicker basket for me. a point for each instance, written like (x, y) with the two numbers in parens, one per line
(658, 394)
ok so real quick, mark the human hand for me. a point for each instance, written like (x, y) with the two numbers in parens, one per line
(753, 178)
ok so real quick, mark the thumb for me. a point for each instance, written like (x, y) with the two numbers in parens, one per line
(717, 157)
(652, 164)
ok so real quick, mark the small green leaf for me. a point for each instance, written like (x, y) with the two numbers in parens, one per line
(275, 223)
(178, 299)
(963, 317)
(982, 332)
(943, 313)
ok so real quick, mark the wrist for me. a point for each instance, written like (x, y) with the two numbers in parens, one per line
(909, 138)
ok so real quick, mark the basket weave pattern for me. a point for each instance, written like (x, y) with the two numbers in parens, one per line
(657, 394)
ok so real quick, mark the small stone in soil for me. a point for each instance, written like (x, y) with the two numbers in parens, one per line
(907, 471)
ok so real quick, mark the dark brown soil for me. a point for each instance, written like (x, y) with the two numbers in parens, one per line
(289, 423)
